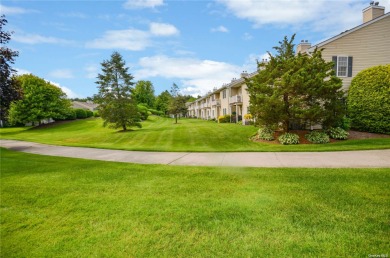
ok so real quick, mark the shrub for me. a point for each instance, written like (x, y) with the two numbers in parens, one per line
(369, 100)
(89, 113)
(143, 110)
(156, 112)
(345, 123)
(338, 133)
(224, 119)
(96, 114)
(317, 137)
(70, 115)
(247, 116)
(266, 134)
(80, 113)
(288, 138)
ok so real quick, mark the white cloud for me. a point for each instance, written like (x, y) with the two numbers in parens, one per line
(133, 39)
(92, 71)
(130, 39)
(163, 29)
(8, 10)
(247, 36)
(61, 73)
(197, 76)
(220, 29)
(325, 16)
(69, 93)
(20, 71)
(38, 39)
(138, 4)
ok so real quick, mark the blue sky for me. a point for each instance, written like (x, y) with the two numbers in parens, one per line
(198, 45)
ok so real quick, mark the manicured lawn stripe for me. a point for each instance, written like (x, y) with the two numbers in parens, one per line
(161, 134)
(56, 207)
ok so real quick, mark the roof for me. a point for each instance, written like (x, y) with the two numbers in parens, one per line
(342, 34)
(84, 105)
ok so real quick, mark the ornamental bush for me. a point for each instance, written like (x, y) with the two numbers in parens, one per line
(338, 133)
(317, 137)
(369, 100)
(266, 134)
(80, 113)
(289, 138)
(224, 119)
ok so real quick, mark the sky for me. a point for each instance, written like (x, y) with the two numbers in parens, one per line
(199, 45)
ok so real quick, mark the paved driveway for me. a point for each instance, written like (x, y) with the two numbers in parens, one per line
(338, 159)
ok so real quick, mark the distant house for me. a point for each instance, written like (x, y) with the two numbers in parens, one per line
(84, 105)
(359, 48)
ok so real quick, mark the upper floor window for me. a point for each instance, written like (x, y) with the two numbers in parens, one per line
(224, 94)
(343, 65)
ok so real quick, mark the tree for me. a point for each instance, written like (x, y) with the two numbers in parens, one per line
(10, 89)
(177, 105)
(369, 100)
(117, 106)
(41, 100)
(295, 90)
(144, 93)
(162, 101)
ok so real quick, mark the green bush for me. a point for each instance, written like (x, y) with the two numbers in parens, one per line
(143, 110)
(155, 112)
(288, 138)
(96, 114)
(317, 137)
(266, 134)
(369, 100)
(80, 113)
(345, 123)
(224, 119)
(338, 133)
(89, 113)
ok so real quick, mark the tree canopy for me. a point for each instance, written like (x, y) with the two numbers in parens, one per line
(177, 104)
(41, 100)
(10, 89)
(144, 93)
(117, 105)
(295, 90)
(162, 101)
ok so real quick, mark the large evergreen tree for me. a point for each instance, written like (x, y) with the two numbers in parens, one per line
(117, 106)
(144, 93)
(41, 100)
(10, 89)
(295, 90)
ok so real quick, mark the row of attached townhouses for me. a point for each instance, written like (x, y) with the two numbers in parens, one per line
(352, 51)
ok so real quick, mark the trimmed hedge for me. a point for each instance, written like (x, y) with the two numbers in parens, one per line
(224, 119)
(81, 113)
(369, 100)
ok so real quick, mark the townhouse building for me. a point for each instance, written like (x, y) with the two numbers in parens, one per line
(351, 51)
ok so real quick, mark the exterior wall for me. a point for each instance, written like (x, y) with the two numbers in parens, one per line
(369, 46)
(372, 12)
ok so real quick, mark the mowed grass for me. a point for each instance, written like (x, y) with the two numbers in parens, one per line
(63, 207)
(161, 134)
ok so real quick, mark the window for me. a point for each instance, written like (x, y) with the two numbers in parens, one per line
(224, 94)
(224, 111)
(343, 65)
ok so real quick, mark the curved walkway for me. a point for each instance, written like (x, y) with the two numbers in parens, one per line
(339, 159)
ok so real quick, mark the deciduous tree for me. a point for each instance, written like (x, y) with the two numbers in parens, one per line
(10, 89)
(117, 106)
(41, 100)
(177, 104)
(144, 93)
(162, 101)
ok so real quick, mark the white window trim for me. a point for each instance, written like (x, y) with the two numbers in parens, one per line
(337, 69)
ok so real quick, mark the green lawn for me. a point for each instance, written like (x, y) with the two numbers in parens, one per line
(62, 207)
(161, 134)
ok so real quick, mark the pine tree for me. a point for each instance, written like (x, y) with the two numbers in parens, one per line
(117, 107)
(297, 90)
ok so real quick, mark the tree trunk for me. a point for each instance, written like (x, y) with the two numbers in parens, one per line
(124, 127)
(176, 118)
(286, 123)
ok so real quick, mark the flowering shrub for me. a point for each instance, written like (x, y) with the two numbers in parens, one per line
(288, 138)
(224, 119)
(266, 134)
(248, 116)
(338, 133)
(317, 137)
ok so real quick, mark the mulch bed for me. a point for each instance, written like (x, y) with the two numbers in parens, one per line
(353, 135)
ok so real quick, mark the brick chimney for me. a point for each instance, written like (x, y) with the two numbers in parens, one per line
(373, 11)
(303, 46)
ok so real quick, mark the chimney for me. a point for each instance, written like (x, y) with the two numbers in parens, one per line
(373, 11)
(303, 46)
